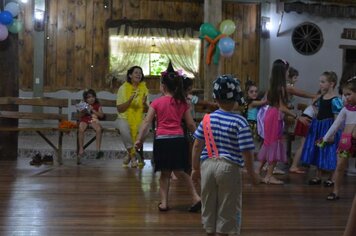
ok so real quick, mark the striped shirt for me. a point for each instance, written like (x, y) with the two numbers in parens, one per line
(232, 135)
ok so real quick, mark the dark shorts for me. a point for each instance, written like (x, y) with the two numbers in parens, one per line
(171, 154)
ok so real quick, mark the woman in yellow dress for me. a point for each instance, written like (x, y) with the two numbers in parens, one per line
(131, 103)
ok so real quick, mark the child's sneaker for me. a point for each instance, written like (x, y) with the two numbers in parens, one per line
(36, 160)
(47, 160)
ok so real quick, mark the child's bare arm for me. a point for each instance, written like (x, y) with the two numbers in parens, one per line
(99, 113)
(196, 152)
(258, 103)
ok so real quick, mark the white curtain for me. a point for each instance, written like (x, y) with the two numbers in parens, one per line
(177, 45)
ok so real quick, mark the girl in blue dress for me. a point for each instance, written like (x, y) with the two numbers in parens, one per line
(328, 106)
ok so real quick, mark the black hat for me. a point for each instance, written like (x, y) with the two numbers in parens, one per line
(227, 88)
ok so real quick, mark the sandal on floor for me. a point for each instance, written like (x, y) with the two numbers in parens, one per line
(162, 208)
(134, 164)
(296, 171)
(332, 197)
(126, 161)
(328, 183)
(314, 181)
(272, 180)
(195, 207)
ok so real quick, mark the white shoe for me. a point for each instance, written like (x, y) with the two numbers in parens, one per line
(278, 171)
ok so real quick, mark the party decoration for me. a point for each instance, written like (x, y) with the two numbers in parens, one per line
(3, 32)
(6, 18)
(212, 44)
(227, 27)
(15, 27)
(209, 30)
(226, 45)
(13, 8)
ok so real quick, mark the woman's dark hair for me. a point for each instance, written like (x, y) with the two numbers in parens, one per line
(278, 83)
(174, 83)
(88, 92)
(131, 70)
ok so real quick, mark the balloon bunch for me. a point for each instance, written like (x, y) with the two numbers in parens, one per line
(7, 21)
(225, 45)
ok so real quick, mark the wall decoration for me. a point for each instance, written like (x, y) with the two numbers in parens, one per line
(307, 38)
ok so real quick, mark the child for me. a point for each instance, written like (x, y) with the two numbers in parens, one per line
(273, 148)
(170, 151)
(90, 114)
(329, 105)
(347, 144)
(301, 130)
(252, 105)
(221, 173)
(193, 99)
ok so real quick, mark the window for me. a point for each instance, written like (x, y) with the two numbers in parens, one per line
(153, 53)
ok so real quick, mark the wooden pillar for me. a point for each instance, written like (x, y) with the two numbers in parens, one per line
(212, 15)
(9, 86)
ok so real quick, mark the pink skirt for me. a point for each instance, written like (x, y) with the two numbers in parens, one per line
(273, 148)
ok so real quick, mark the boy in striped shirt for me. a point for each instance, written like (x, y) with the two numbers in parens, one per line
(223, 146)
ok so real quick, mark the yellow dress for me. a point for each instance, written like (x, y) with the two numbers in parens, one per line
(135, 113)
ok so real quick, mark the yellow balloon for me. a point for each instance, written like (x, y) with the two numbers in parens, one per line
(227, 27)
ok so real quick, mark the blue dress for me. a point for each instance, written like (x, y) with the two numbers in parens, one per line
(324, 158)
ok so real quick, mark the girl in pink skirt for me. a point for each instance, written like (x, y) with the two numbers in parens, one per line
(273, 149)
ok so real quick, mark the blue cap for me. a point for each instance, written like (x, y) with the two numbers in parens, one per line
(227, 88)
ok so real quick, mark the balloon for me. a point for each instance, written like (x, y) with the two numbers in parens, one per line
(208, 29)
(15, 27)
(3, 32)
(229, 54)
(6, 18)
(227, 27)
(13, 8)
(226, 45)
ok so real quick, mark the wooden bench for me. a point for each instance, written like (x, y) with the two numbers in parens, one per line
(9, 109)
(110, 115)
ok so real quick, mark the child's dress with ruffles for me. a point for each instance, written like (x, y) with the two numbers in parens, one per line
(273, 148)
(323, 158)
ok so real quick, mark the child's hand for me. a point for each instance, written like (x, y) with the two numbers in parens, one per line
(138, 145)
(320, 143)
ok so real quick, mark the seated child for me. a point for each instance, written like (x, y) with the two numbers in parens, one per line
(90, 112)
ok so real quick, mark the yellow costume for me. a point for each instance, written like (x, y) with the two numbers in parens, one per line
(134, 114)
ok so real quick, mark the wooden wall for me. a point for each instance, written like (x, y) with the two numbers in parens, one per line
(76, 44)
(245, 61)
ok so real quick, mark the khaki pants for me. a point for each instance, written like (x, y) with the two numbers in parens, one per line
(221, 196)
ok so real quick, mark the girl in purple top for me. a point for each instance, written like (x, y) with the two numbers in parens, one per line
(170, 151)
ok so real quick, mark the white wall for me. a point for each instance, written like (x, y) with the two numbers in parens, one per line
(329, 57)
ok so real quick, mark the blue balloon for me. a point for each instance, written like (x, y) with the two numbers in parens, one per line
(226, 45)
(6, 18)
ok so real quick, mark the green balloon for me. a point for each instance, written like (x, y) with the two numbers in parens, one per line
(15, 27)
(209, 30)
(227, 27)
